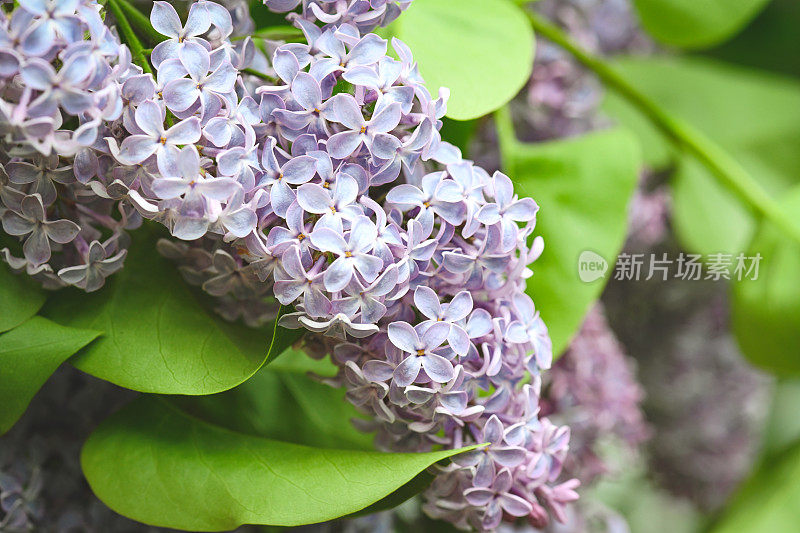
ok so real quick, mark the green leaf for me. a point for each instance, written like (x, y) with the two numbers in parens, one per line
(153, 463)
(693, 24)
(753, 115)
(770, 42)
(769, 501)
(482, 50)
(582, 187)
(29, 354)
(159, 335)
(280, 402)
(20, 298)
(766, 311)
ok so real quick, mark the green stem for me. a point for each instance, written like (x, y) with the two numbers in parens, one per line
(274, 33)
(507, 138)
(722, 165)
(128, 35)
(258, 74)
(141, 22)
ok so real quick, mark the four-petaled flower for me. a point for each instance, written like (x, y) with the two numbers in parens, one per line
(32, 221)
(421, 352)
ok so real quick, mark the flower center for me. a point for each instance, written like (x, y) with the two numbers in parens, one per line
(420, 352)
(348, 254)
(163, 140)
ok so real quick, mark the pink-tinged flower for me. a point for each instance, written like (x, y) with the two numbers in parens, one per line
(496, 499)
(363, 391)
(498, 452)
(92, 275)
(42, 173)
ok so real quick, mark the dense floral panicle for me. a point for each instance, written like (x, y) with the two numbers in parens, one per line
(328, 187)
(61, 76)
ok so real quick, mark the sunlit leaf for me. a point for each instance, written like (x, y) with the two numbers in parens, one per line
(482, 50)
(766, 310)
(582, 187)
(153, 463)
(159, 336)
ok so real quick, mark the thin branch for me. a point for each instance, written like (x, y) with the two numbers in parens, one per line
(722, 165)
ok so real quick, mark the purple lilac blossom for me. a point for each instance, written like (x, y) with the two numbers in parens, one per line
(329, 189)
(62, 73)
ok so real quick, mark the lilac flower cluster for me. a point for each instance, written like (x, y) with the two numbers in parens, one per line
(61, 71)
(415, 277)
(366, 15)
(328, 186)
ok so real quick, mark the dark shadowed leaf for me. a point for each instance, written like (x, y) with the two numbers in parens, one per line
(696, 24)
(29, 354)
(281, 402)
(20, 298)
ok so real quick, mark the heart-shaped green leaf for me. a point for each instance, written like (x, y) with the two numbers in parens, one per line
(154, 463)
(582, 187)
(693, 24)
(29, 354)
(159, 336)
(482, 50)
